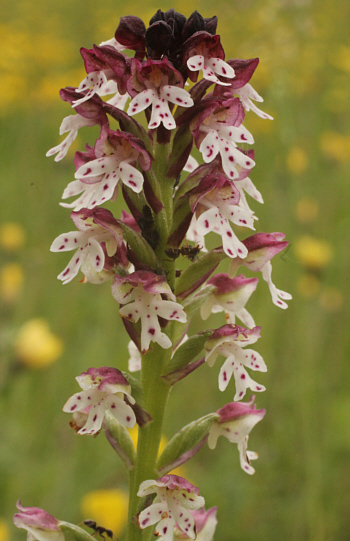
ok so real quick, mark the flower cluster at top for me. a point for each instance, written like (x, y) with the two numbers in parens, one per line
(193, 100)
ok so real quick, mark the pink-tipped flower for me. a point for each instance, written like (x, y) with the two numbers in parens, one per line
(175, 499)
(230, 295)
(98, 237)
(218, 129)
(262, 247)
(205, 52)
(205, 524)
(103, 389)
(143, 291)
(100, 170)
(155, 84)
(229, 341)
(235, 423)
(215, 209)
(40, 525)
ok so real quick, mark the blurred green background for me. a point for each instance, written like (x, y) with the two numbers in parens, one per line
(300, 490)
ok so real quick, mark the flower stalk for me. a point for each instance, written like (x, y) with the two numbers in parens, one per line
(172, 204)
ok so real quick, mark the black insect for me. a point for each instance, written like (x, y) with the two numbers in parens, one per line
(187, 251)
(99, 530)
(146, 224)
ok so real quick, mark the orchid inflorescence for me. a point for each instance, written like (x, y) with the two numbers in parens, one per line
(174, 72)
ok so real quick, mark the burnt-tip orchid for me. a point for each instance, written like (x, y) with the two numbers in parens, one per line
(141, 292)
(103, 389)
(155, 84)
(99, 171)
(175, 499)
(40, 525)
(230, 295)
(229, 341)
(235, 423)
(97, 229)
(261, 248)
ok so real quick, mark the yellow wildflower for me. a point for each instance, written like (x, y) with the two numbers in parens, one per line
(309, 286)
(297, 160)
(109, 508)
(313, 253)
(12, 236)
(306, 210)
(36, 346)
(335, 146)
(4, 530)
(11, 281)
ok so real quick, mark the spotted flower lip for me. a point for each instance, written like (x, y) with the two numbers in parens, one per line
(39, 524)
(229, 341)
(204, 52)
(103, 389)
(142, 291)
(235, 422)
(94, 227)
(155, 83)
(98, 174)
(175, 499)
(262, 247)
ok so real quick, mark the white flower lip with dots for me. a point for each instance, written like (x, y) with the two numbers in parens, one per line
(262, 247)
(230, 295)
(235, 422)
(210, 66)
(71, 124)
(158, 99)
(87, 243)
(144, 289)
(103, 389)
(229, 341)
(175, 499)
(40, 525)
(214, 212)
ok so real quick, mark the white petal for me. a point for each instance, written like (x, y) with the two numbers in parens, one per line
(134, 363)
(95, 418)
(209, 147)
(130, 311)
(207, 221)
(121, 411)
(170, 310)
(73, 266)
(191, 164)
(152, 514)
(95, 79)
(244, 457)
(196, 62)
(221, 68)
(161, 114)
(141, 101)
(68, 241)
(96, 254)
(131, 176)
(277, 294)
(104, 190)
(119, 100)
(97, 167)
(176, 95)
(79, 401)
(226, 372)
(244, 381)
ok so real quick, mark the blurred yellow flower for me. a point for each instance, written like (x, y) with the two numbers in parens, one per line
(306, 210)
(340, 58)
(313, 253)
(297, 160)
(335, 146)
(309, 286)
(331, 299)
(4, 530)
(36, 346)
(11, 281)
(12, 236)
(109, 508)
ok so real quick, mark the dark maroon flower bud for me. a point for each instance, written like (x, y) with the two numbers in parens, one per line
(131, 33)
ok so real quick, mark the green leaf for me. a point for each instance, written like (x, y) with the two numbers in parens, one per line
(120, 440)
(140, 247)
(185, 444)
(197, 272)
(188, 351)
(193, 304)
(75, 531)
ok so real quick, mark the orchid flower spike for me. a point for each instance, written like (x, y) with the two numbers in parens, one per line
(103, 389)
(175, 499)
(40, 525)
(229, 341)
(235, 422)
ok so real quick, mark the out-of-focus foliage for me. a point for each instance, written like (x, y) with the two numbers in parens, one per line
(302, 483)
